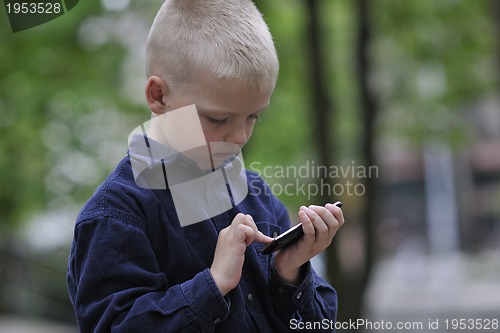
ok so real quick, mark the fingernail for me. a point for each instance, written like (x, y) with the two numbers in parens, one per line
(306, 209)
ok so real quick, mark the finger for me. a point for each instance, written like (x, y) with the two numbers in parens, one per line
(239, 219)
(246, 234)
(328, 218)
(240, 230)
(252, 233)
(322, 234)
(250, 222)
(337, 212)
(259, 236)
(319, 224)
(245, 219)
(307, 226)
(331, 223)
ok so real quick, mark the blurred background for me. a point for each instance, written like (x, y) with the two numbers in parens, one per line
(402, 97)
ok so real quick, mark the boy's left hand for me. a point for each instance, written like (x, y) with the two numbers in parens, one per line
(320, 225)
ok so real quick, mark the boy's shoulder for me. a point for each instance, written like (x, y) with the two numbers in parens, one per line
(260, 191)
(118, 196)
(256, 184)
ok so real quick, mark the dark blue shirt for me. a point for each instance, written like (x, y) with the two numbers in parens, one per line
(133, 268)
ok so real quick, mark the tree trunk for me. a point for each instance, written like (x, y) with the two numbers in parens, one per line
(495, 4)
(321, 104)
(322, 112)
(368, 108)
(350, 290)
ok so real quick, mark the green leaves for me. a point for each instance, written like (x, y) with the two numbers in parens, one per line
(71, 89)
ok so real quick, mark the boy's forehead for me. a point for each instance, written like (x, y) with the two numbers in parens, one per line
(209, 82)
(227, 97)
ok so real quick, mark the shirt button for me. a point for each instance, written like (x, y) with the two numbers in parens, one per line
(281, 290)
(299, 294)
(250, 297)
(216, 320)
(275, 234)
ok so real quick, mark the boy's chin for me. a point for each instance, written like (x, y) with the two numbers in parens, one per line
(215, 163)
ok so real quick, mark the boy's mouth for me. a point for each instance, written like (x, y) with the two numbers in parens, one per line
(223, 150)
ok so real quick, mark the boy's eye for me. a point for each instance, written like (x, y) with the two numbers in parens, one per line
(217, 121)
(254, 117)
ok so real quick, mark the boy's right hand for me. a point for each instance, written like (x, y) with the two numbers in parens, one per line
(230, 251)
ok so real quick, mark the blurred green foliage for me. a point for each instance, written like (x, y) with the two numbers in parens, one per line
(68, 100)
(432, 58)
(51, 81)
(71, 91)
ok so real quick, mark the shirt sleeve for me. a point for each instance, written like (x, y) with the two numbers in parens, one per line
(115, 285)
(311, 300)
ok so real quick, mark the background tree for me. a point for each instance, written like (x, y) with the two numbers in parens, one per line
(352, 288)
(496, 17)
(71, 92)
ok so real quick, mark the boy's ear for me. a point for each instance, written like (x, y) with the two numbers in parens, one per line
(156, 92)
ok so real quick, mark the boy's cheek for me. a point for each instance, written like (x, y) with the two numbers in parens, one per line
(210, 134)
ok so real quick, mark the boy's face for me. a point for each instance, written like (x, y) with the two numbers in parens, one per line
(227, 111)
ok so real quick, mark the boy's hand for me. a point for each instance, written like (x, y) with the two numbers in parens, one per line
(320, 225)
(230, 251)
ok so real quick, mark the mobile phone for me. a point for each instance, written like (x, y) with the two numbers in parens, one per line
(288, 237)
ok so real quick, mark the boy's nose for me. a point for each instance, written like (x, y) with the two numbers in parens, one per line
(237, 136)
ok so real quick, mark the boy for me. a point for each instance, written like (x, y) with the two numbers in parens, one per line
(134, 265)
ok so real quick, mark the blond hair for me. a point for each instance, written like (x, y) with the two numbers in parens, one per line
(196, 40)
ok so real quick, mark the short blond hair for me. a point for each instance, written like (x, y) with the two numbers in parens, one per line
(193, 40)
